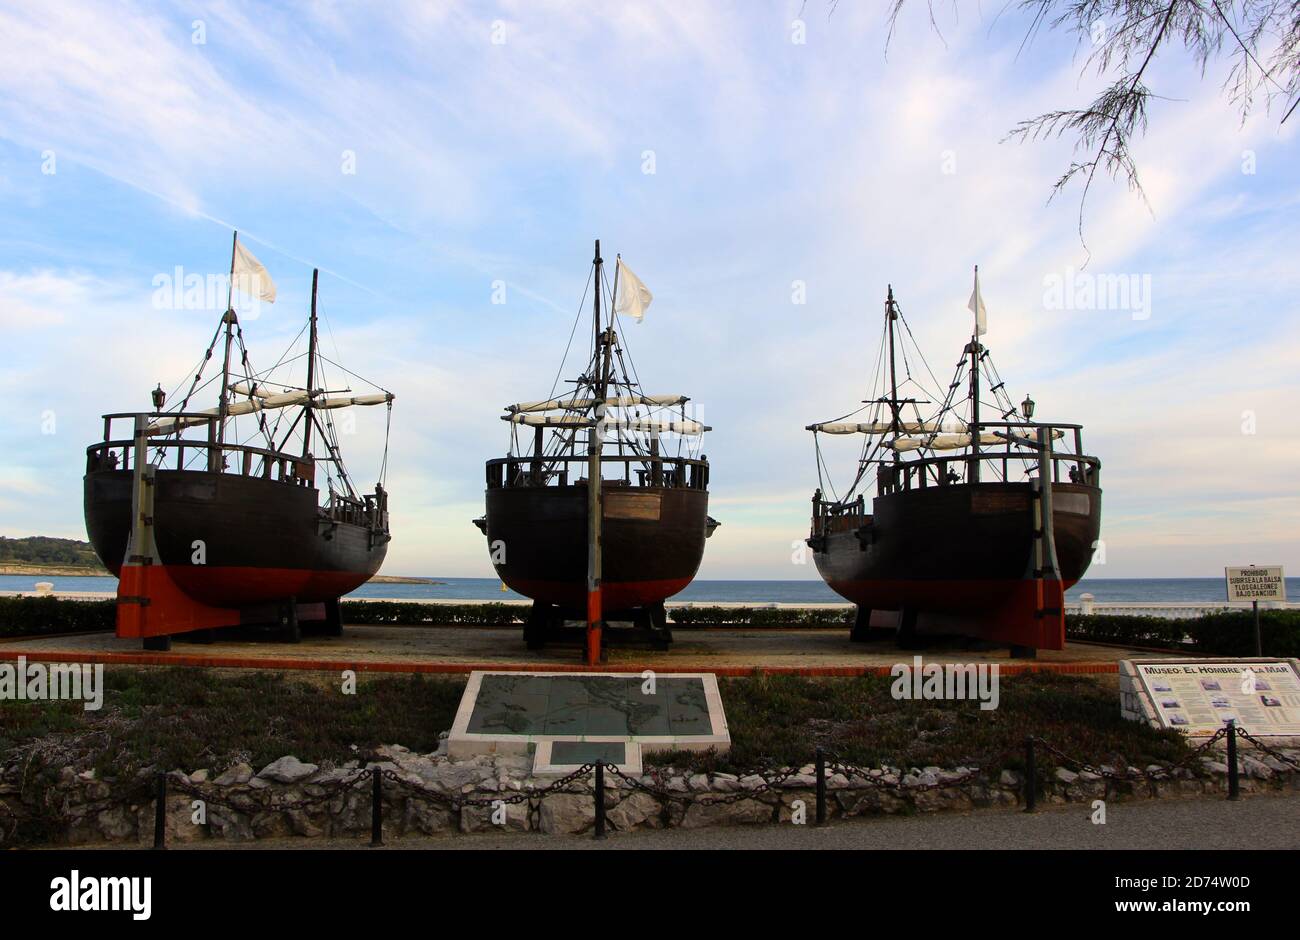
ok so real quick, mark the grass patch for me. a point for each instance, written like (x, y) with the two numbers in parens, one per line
(193, 718)
(782, 719)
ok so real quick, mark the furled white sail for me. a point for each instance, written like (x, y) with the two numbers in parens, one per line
(878, 427)
(583, 404)
(643, 425)
(941, 441)
(343, 401)
(248, 391)
(169, 424)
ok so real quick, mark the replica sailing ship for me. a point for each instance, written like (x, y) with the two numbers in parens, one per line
(980, 518)
(207, 528)
(647, 520)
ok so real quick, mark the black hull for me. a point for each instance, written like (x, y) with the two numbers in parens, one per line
(264, 541)
(652, 542)
(956, 549)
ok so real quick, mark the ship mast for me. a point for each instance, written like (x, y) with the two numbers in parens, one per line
(311, 367)
(595, 614)
(891, 316)
(228, 318)
(974, 349)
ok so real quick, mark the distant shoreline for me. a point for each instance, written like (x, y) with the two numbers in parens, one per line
(78, 571)
(54, 571)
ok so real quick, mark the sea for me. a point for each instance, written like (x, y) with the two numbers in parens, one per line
(1103, 590)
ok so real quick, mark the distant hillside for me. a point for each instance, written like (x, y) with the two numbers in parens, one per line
(40, 551)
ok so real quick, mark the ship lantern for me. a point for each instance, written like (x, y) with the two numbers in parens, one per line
(158, 396)
(1027, 408)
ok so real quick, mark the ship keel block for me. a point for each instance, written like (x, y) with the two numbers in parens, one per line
(1011, 611)
(150, 603)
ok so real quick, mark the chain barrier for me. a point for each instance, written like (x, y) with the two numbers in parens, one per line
(265, 800)
(678, 796)
(1269, 750)
(829, 764)
(562, 785)
(880, 779)
(1151, 776)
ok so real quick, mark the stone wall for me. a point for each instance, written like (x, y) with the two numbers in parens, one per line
(88, 812)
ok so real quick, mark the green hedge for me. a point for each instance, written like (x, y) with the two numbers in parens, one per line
(761, 616)
(1223, 633)
(1226, 633)
(41, 616)
(414, 613)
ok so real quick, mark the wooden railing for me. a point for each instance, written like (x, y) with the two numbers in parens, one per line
(950, 470)
(653, 471)
(172, 451)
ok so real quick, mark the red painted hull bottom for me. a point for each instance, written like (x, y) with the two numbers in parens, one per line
(615, 595)
(1015, 612)
(160, 600)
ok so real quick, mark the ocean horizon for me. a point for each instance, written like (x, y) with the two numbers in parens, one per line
(1103, 590)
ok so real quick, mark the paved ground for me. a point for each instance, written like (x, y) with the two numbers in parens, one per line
(1257, 822)
(413, 648)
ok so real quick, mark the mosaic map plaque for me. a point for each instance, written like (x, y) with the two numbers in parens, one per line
(506, 712)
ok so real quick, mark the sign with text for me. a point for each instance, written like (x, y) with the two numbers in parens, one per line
(1198, 697)
(1256, 583)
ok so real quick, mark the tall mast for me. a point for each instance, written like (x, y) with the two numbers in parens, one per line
(975, 349)
(595, 505)
(891, 316)
(228, 318)
(311, 367)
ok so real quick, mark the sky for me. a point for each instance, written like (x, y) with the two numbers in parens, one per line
(740, 156)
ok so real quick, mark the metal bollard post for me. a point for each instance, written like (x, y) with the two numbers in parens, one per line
(1031, 776)
(600, 798)
(160, 811)
(377, 807)
(821, 786)
(1234, 784)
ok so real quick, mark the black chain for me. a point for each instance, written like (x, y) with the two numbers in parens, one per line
(562, 785)
(768, 785)
(1270, 751)
(265, 800)
(1164, 773)
(868, 780)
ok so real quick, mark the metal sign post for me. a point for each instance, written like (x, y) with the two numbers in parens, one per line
(1256, 583)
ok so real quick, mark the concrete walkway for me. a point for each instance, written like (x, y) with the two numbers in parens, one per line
(1258, 822)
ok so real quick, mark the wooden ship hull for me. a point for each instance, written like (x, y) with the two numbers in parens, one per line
(264, 540)
(981, 517)
(652, 542)
(616, 549)
(962, 551)
(205, 531)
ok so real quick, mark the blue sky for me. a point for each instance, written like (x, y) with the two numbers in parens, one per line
(493, 142)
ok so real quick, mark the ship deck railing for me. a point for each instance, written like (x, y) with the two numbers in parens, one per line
(1072, 466)
(1067, 466)
(653, 471)
(169, 452)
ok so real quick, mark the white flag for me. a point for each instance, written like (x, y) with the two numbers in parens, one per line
(633, 296)
(249, 276)
(976, 306)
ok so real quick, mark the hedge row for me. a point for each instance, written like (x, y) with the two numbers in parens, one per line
(1223, 633)
(761, 616)
(415, 613)
(1226, 633)
(41, 616)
